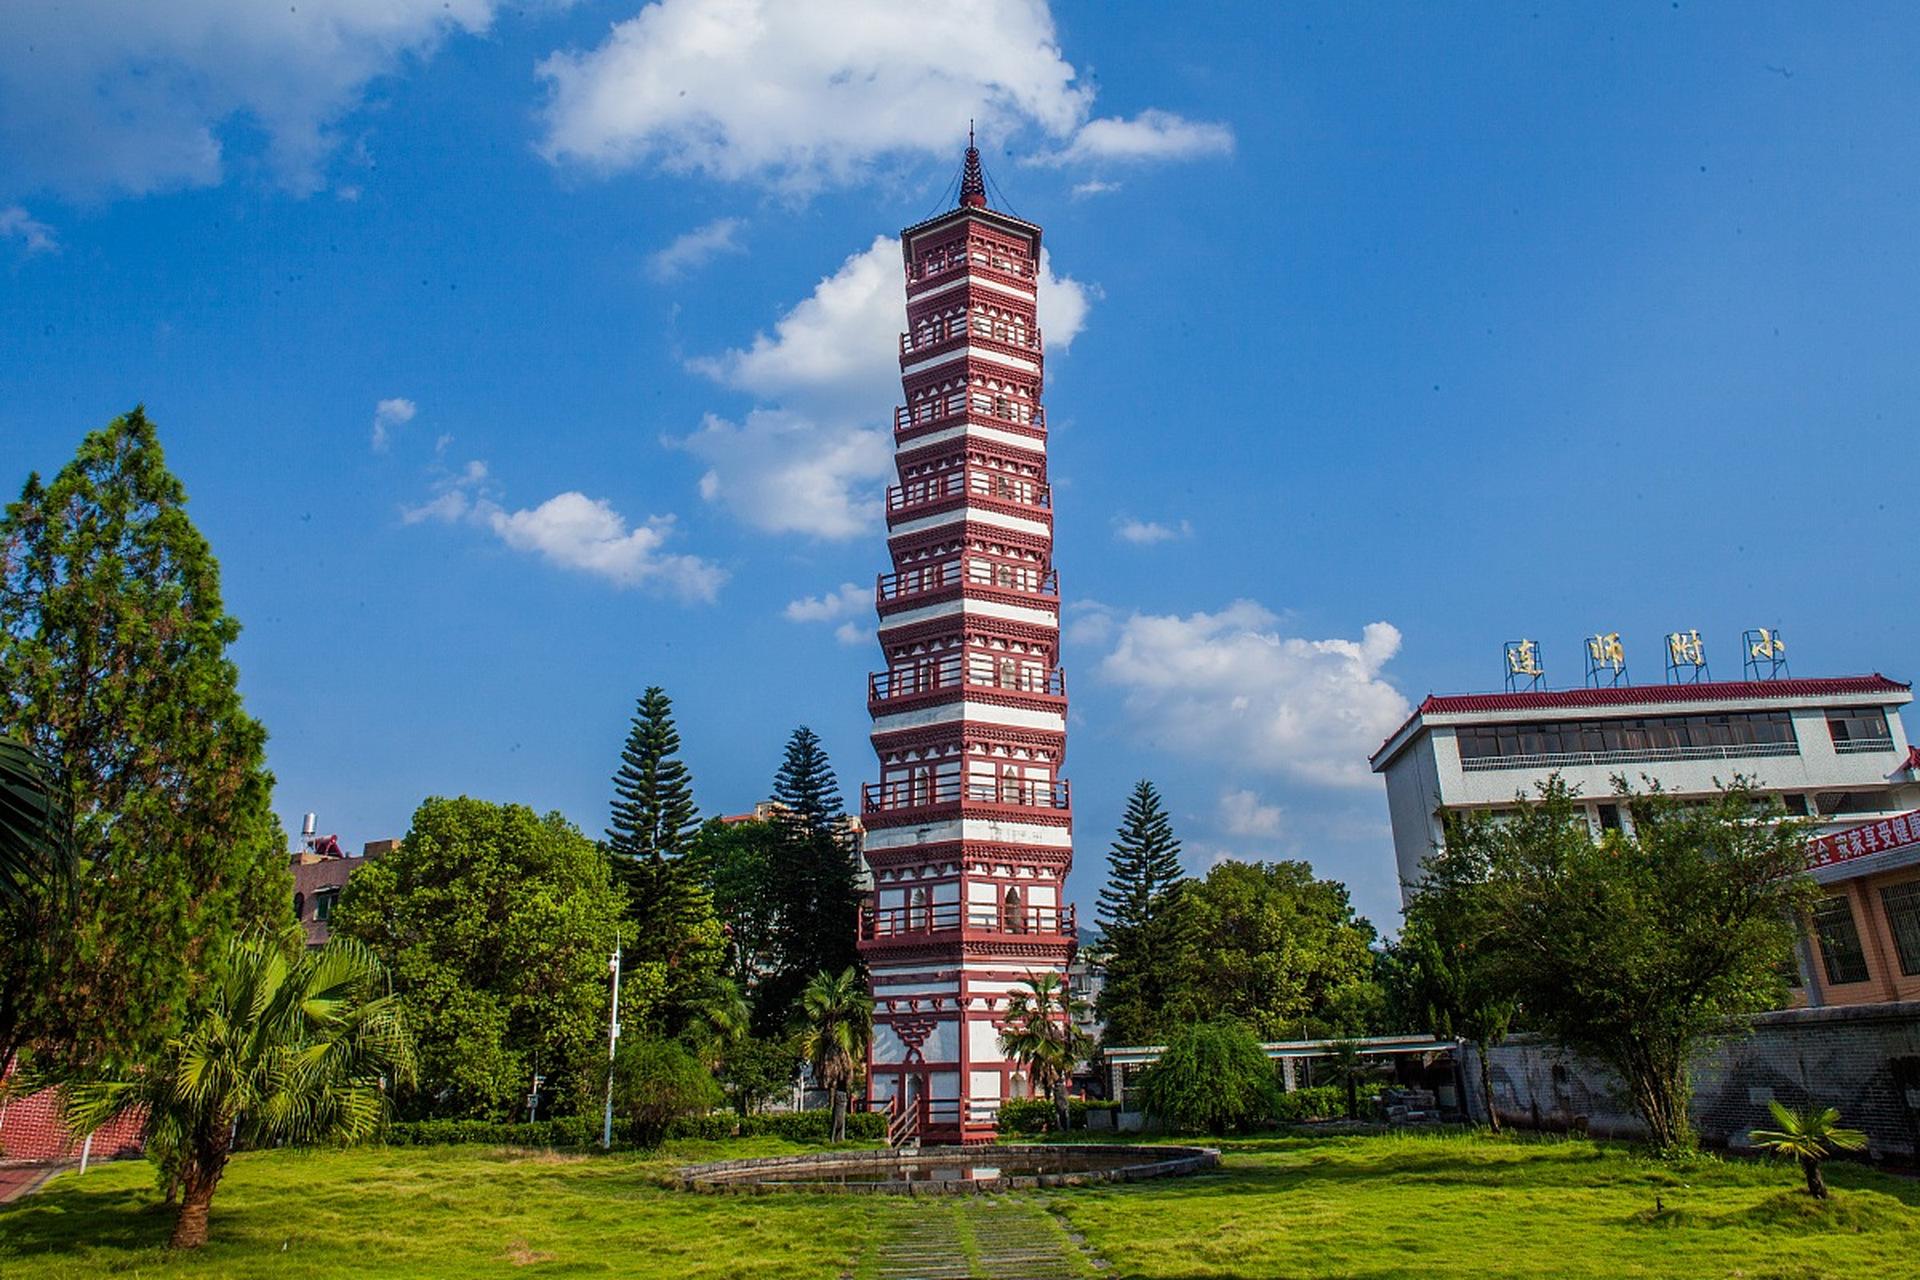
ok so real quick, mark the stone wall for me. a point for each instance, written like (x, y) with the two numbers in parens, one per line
(1863, 1059)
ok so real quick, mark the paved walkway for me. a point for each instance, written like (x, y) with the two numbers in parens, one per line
(25, 1177)
(975, 1238)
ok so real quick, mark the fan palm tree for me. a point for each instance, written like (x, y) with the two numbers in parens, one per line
(35, 848)
(1809, 1136)
(290, 1046)
(1042, 1032)
(838, 1027)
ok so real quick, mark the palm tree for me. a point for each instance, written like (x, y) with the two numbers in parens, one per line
(34, 844)
(720, 1017)
(838, 1028)
(291, 1046)
(1809, 1136)
(1042, 1032)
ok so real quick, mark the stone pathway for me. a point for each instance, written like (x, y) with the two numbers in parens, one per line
(24, 1177)
(974, 1238)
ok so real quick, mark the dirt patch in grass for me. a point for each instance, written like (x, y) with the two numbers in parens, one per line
(520, 1256)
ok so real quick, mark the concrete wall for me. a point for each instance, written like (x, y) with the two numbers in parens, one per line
(1863, 1059)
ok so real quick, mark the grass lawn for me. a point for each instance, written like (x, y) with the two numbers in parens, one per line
(1379, 1206)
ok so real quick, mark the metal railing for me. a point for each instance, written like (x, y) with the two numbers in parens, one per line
(971, 329)
(1862, 746)
(980, 917)
(904, 584)
(957, 674)
(993, 486)
(927, 792)
(1631, 755)
(931, 414)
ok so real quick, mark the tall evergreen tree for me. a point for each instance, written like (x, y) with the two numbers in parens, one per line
(1145, 922)
(654, 821)
(114, 670)
(814, 876)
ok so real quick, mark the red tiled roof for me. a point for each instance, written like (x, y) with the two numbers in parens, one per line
(1640, 695)
(1634, 695)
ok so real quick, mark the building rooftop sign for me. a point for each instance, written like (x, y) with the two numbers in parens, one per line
(1898, 834)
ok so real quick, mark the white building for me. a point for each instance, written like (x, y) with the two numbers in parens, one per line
(1833, 750)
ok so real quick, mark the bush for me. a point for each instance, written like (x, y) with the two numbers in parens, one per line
(1029, 1116)
(657, 1083)
(1322, 1102)
(571, 1131)
(584, 1131)
(1212, 1077)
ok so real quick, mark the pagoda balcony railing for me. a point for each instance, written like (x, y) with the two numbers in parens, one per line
(945, 792)
(909, 584)
(971, 329)
(971, 482)
(979, 256)
(957, 675)
(924, 415)
(909, 922)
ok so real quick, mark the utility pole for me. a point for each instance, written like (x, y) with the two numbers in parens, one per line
(613, 1042)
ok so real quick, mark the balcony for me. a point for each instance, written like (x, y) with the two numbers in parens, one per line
(978, 256)
(981, 577)
(907, 924)
(990, 796)
(933, 339)
(955, 675)
(973, 483)
(1861, 746)
(926, 416)
(1631, 755)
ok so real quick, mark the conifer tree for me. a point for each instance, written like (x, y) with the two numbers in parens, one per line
(114, 670)
(814, 877)
(1146, 930)
(673, 926)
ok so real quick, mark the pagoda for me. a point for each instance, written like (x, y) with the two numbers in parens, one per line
(969, 830)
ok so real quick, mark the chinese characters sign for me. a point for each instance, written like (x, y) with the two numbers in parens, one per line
(1870, 837)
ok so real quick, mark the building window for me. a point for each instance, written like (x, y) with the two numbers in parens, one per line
(1858, 729)
(1609, 817)
(1902, 903)
(1846, 960)
(323, 904)
(1650, 737)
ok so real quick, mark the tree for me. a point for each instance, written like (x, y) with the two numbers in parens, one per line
(1212, 1077)
(656, 1082)
(838, 1027)
(114, 671)
(1148, 934)
(1637, 949)
(1809, 1136)
(289, 1046)
(674, 927)
(759, 1069)
(35, 850)
(496, 925)
(1275, 949)
(1042, 1033)
(814, 878)
(735, 861)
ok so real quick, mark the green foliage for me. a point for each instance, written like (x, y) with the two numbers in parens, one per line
(1025, 1117)
(496, 925)
(760, 1069)
(834, 1039)
(1212, 1077)
(1148, 932)
(671, 914)
(1809, 1135)
(1041, 1031)
(656, 1082)
(813, 880)
(1635, 951)
(114, 671)
(1277, 950)
(1323, 1101)
(290, 1046)
(36, 851)
(735, 861)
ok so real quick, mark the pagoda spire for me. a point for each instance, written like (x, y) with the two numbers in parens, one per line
(973, 183)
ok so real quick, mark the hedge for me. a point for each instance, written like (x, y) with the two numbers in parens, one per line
(1035, 1115)
(1323, 1102)
(582, 1131)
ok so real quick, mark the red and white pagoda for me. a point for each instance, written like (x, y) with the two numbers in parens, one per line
(969, 830)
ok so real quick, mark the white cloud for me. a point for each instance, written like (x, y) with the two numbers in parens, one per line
(814, 459)
(835, 605)
(389, 415)
(696, 248)
(107, 96)
(36, 235)
(1229, 687)
(1242, 814)
(1083, 190)
(1151, 135)
(809, 94)
(1144, 533)
(574, 531)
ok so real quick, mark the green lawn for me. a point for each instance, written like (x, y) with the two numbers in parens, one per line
(1413, 1206)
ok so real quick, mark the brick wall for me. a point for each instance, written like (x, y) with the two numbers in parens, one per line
(31, 1129)
(1863, 1059)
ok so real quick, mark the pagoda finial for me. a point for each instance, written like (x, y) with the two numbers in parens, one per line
(973, 183)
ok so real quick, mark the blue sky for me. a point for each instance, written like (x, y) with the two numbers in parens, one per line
(517, 358)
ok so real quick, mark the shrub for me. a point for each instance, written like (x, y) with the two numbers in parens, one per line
(1321, 1102)
(656, 1083)
(1212, 1077)
(1029, 1116)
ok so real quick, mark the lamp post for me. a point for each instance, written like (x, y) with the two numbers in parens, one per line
(613, 1041)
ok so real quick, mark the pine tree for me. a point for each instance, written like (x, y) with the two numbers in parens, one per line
(1146, 929)
(814, 877)
(114, 669)
(674, 928)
